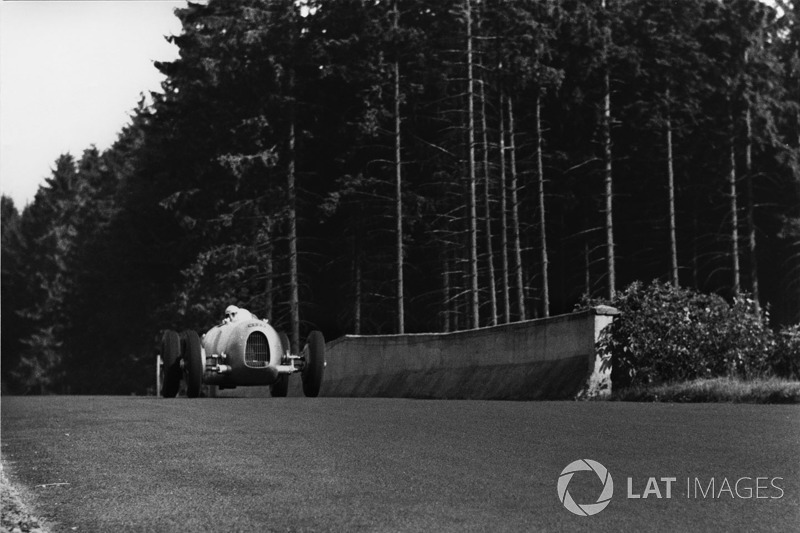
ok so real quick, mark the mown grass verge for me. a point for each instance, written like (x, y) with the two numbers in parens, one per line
(766, 390)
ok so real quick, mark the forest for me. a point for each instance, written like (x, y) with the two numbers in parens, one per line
(401, 166)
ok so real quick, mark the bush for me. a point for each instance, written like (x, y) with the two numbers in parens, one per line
(667, 334)
(785, 361)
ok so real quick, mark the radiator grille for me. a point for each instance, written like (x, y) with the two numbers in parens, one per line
(257, 351)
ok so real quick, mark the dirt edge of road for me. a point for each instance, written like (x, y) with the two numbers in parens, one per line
(17, 516)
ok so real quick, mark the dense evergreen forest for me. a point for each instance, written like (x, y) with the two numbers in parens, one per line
(384, 166)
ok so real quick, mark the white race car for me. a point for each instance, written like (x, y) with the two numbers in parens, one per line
(238, 353)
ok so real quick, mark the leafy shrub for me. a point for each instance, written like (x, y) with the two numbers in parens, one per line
(785, 361)
(668, 334)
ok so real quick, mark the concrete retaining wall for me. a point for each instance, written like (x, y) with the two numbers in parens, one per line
(552, 358)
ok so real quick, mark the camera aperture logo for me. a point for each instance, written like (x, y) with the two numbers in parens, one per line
(586, 509)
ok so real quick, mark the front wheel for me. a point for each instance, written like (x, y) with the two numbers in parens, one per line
(193, 363)
(315, 364)
(280, 389)
(171, 366)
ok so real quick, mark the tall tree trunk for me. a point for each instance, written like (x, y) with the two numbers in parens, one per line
(447, 298)
(587, 281)
(695, 251)
(504, 215)
(608, 174)
(751, 222)
(515, 231)
(401, 323)
(734, 213)
(473, 211)
(542, 218)
(294, 282)
(673, 241)
(487, 211)
(269, 296)
(357, 282)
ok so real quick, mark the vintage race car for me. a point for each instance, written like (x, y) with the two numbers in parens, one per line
(239, 353)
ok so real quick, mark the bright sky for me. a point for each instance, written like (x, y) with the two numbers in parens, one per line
(71, 72)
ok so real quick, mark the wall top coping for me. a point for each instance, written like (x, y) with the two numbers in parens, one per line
(600, 310)
(606, 310)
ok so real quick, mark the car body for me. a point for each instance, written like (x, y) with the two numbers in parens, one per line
(236, 353)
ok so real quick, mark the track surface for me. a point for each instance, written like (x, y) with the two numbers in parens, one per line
(295, 464)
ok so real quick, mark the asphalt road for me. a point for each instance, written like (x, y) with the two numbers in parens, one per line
(295, 464)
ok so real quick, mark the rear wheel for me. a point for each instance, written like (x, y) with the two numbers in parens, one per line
(280, 388)
(193, 363)
(315, 364)
(170, 359)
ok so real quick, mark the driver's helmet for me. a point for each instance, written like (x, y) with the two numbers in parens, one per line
(230, 312)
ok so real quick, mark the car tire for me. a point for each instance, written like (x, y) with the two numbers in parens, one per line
(315, 364)
(193, 363)
(170, 360)
(280, 388)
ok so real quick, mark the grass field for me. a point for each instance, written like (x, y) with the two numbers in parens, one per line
(355, 464)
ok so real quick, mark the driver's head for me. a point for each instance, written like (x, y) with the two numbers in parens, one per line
(230, 312)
